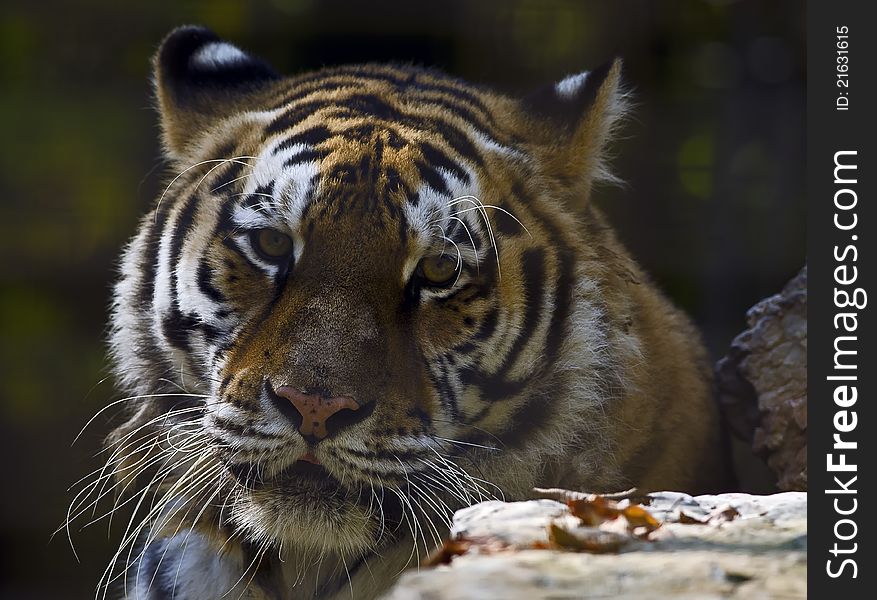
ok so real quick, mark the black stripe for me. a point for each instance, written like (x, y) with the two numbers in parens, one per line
(459, 233)
(404, 79)
(432, 178)
(366, 168)
(180, 231)
(485, 330)
(439, 159)
(564, 292)
(246, 430)
(374, 106)
(397, 185)
(447, 396)
(177, 328)
(205, 283)
(225, 224)
(362, 103)
(468, 116)
(311, 137)
(343, 173)
(304, 156)
(403, 230)
(533, 414)
(378, 152)
(252, 201)
(294, 115)
(211, 333)
(230, 171)
(232, 244)
(538, 410)
(453, 88)
(175, 325)
(469, 293)
(497, 386)
(319, 82)
(533, 271)
(150, 258)
(506, 225)
(415, 412)
(563, 297)
(389, 454)
(461, 144)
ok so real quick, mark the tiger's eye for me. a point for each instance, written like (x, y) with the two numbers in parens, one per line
(273, 244)
(439, 271)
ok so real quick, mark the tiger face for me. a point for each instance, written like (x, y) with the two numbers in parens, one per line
(364, 300)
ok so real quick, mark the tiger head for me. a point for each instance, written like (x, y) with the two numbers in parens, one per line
(359, 297)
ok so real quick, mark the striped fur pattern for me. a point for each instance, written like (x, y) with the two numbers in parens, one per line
(547, 360)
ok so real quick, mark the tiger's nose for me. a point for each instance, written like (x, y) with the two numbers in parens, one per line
(317, 417)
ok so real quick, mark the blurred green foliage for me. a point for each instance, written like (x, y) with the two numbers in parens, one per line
(713, 160)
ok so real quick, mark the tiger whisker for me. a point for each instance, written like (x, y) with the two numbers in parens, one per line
(127, 399)
(450, 441)
(469, 234)
(206, 504)
(500, 209)
(132, 532)
(106, 473)
(235, 180)
(222, 161)
(479, 206)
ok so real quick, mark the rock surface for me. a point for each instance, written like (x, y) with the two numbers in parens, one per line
(762, 383)
(757, 551)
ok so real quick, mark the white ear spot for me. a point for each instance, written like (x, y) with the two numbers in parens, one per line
(216, 55)
(569, 87)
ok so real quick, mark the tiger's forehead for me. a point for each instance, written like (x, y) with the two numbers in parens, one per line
(374, 147)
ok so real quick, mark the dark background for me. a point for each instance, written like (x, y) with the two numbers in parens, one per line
(713, 159)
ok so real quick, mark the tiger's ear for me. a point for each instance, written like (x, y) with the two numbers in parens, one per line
(574, 120)
(198, 79)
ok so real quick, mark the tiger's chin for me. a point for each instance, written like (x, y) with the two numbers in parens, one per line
(305, 508)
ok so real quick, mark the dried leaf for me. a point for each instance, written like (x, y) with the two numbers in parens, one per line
(601, 532)
(593, 510)
(447, 551)
(595, 541)
(687, 519)
(722, 514)
(461, 545)
(637, 516)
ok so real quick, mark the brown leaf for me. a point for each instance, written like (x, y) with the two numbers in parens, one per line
(640, 522)
(595, 541)
(593, 510)
(461, 545)
(637, 516)
(687, 519)
(722, 514)
(447, 551)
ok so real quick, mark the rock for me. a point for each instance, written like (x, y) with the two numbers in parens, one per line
(759, 553)
(762, 383)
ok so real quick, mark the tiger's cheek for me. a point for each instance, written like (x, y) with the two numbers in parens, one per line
(448, 326)
(247, 293)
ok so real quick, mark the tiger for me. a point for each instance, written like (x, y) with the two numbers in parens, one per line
(371, 295)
